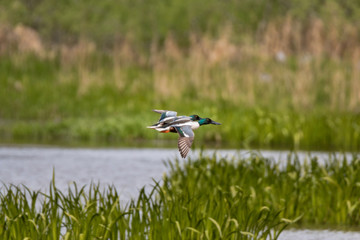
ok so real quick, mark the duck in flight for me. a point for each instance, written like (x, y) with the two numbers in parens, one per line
(183, 125)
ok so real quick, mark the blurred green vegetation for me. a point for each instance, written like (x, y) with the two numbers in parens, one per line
(153, 20)
(276, 74)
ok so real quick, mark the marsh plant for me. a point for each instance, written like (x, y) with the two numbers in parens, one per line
(202, 198)
(283, 74)
(163, 213)
(319, 192)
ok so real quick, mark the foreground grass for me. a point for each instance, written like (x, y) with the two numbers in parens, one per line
(322, 192)
(165, 213)
(205, 198)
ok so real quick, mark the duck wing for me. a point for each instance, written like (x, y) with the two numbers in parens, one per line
(166, 115)
(176, 121)
(186, 138)
(170, 121)
(165, 118)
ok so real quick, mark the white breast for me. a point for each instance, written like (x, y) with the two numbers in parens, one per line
(194, 125)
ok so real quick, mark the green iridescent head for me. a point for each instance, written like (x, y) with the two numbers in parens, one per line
(204, 121)
(195, 117)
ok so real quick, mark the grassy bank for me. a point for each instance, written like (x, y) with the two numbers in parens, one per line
(284, 75)
(243, 129)
(102, 99)
(204, 198)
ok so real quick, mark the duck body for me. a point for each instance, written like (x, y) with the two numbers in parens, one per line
(172, 127)
(183, 125)
(169, 119)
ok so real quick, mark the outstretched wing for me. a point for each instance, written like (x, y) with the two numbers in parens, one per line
(176, 121)
(186, 138)
(166, 115)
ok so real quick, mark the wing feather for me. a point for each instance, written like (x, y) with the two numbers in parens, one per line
(165, 114)
(186, 138)
(184, 145)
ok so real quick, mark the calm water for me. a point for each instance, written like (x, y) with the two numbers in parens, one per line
(127, 169)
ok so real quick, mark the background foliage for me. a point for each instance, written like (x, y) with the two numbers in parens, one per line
(275, 73)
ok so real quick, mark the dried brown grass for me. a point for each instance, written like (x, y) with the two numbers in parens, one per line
(290, 64)
(354, 85)
(315, 37)
(21, 39)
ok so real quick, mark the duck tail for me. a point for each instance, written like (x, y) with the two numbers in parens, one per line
(159, 111)
(153, 126)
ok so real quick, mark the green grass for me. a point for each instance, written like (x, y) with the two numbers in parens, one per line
(246, 129)
(164, 213)
(43, 101)
(96, 73)
(202, 198)
(152, 21)
(323, 193)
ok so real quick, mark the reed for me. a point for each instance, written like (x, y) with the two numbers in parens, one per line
(309, 67)
(202, 198)
(164, 212)
(294, 87)
(317, 192)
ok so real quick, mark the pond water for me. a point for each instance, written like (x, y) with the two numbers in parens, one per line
(127, 169)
